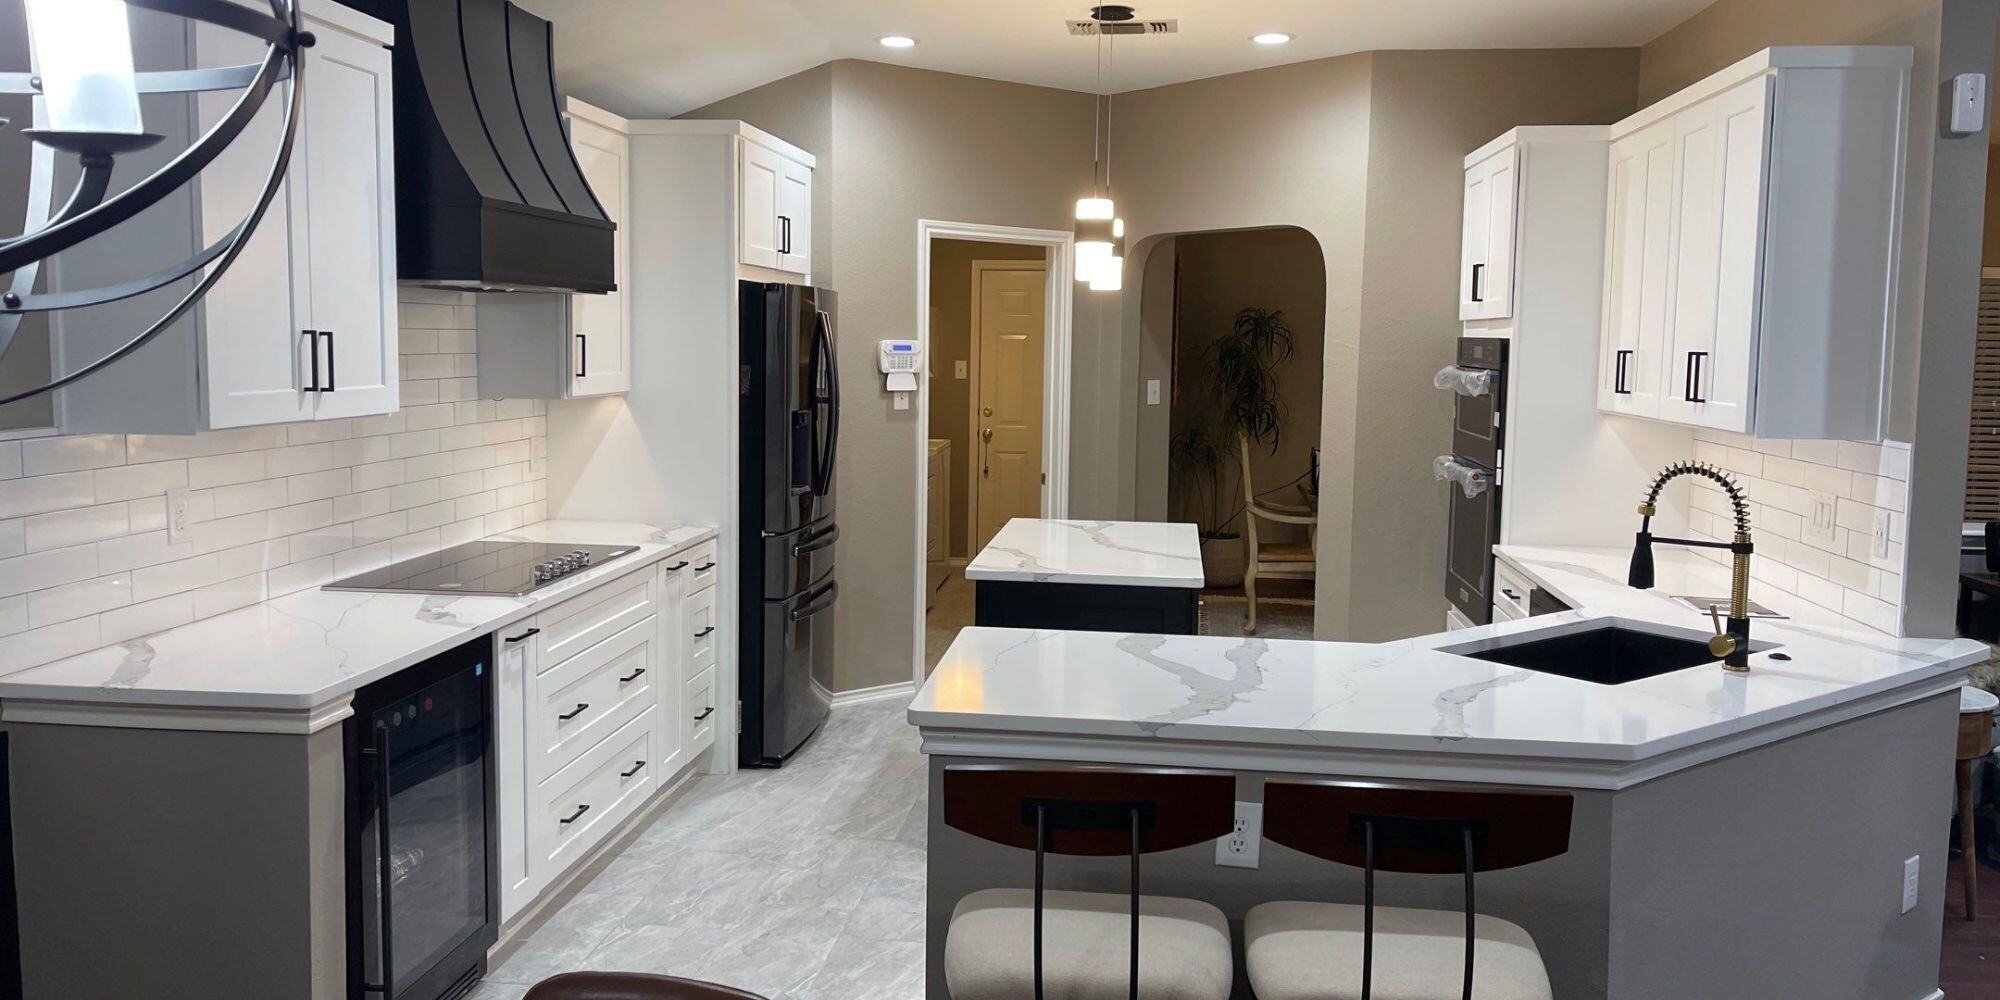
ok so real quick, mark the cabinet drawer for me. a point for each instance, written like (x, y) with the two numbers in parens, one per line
(1510, 590)
(702, 569)
(698, 619)
(700, 706)
(577, 704)
(584, 802)
(589, 618)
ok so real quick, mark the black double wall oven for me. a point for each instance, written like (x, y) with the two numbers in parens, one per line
(422, 887)
(789, 421)
(1475, 472)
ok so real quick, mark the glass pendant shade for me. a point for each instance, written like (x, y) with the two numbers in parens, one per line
(82, 51)
(1109, 275)
(1089, 256)
(1094, 208)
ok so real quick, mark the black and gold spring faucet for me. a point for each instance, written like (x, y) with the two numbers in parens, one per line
(1732, 644)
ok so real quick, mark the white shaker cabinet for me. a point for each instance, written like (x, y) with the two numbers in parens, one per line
(303, 325)
(1751, 250)
(774, 208)
(1486, 271)
(553, 345)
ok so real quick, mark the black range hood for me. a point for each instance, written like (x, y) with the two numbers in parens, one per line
(488, 194)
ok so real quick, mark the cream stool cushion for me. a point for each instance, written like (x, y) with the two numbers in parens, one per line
(1312, 951)
(989, 950)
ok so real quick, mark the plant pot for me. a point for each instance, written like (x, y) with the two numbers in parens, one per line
(1222, 561)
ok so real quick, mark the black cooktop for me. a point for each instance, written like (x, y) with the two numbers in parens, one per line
(486, 568)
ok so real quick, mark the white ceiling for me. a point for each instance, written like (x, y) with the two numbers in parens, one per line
(663, 57)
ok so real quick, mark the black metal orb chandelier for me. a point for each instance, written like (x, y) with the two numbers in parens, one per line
(87, 106)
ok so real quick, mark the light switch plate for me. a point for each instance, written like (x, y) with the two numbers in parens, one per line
(959, 369)
(1910, 883)
(1968, 104)
(1819, 525)
(1152, 392)
(1880, 547)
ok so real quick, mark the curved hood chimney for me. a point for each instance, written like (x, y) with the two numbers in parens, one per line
(488, 194)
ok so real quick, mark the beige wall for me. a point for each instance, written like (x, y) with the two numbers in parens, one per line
(1152, 266)
(1938, 290)
(1220, 275)
(951, 342)
(1364, 153)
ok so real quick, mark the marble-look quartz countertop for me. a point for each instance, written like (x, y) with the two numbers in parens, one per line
(1594, 577)
(1117, 553)
(306, 650)
(1411, 708)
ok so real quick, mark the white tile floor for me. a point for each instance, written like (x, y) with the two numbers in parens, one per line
(804, 883)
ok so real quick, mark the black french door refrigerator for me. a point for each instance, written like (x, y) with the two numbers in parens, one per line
(788, 389)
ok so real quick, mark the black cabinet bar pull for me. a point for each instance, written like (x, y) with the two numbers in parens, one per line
(312, 348)
(582, 356)
(637, 766)
(330, 385)
(633, 676)
(706, 714)
(784, 234)
(529, 634)
(704, 567)
(677, 567)
(704, 632)
(580, 706)
(1693, 387)
(1478, 294)
(1624, 369)
(577, 815)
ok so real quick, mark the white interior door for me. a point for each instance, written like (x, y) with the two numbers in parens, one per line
(599, 339)
(1009, 339)
(255, 348)
(795, 207)
(759, 242)
(351, 223)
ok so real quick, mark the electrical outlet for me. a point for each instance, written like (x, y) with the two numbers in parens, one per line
(902, 400)
(958, 370)
(177, 515)
(1152, 392)
(1881, 532)
(1238, 848)
(1819, 525)
(1910, 884)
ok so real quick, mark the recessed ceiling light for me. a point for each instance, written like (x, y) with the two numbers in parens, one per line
(897, 42)
(1271, 37)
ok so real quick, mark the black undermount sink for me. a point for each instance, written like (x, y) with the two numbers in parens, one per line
(1605, 653)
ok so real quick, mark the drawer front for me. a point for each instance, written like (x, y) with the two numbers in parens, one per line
(703, 560)
(587, 619)
(1510, 590)
(591, 695)
(700, 706)
(586, 801)
(700, 627)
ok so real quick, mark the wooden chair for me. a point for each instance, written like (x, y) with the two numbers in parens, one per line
(1328, 951)
(630, 986)
(1006, 944)
(1975, 740)
(1278, 560)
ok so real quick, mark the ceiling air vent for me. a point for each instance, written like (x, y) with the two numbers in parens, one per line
(1156, 26)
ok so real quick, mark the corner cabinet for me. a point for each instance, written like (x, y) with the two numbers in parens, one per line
(773, 206)
(303, 325)
(546, 345)
(1751, 247)
(1486, 266)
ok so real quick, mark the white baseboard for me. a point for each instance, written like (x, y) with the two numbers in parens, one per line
(858, 696)
(1934, 995)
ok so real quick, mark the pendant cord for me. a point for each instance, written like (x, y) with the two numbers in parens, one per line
(1113, 61)
(1097, 114)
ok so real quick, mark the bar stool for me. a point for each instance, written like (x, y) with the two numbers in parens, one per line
(1328, 951)
(1975, 740)
(1007, 944)
(630, 986)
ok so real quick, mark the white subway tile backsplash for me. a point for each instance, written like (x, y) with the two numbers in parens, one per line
(84, 557)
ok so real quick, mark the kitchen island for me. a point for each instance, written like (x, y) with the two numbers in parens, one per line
(1118, 576)
(1735, 835)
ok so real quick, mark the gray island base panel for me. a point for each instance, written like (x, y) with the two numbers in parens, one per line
(1736, 837)
(1110, 576)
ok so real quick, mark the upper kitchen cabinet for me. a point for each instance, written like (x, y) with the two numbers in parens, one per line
(303, 325)
(774, 204)
(539, 345)
(1486, 271)
(1751, 246)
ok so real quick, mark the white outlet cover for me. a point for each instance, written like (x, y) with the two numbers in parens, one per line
(177, 515)
(1910, 883)
(1881, 535)
(1239, 847)
(1152, 392)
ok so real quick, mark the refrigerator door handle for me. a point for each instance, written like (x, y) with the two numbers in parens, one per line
(817, 542)
(823, 333)
(819, 603)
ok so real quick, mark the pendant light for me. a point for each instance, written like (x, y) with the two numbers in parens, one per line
(1100, 234)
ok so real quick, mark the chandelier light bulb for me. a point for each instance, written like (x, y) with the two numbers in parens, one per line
(82, 51)
(1109, 275)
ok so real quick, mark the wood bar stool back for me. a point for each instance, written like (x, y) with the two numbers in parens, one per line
(1975, 740)
(1089, 811)
(1411, 829)
(630, 986)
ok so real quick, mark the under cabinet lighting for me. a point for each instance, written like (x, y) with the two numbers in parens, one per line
(897, 42)
(1271, 37)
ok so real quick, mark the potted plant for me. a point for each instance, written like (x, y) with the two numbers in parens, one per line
(1240, 370)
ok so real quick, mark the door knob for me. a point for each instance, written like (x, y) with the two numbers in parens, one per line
(986, 435)
(985, 411)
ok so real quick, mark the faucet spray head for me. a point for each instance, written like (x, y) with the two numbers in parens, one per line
(1641, 573)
